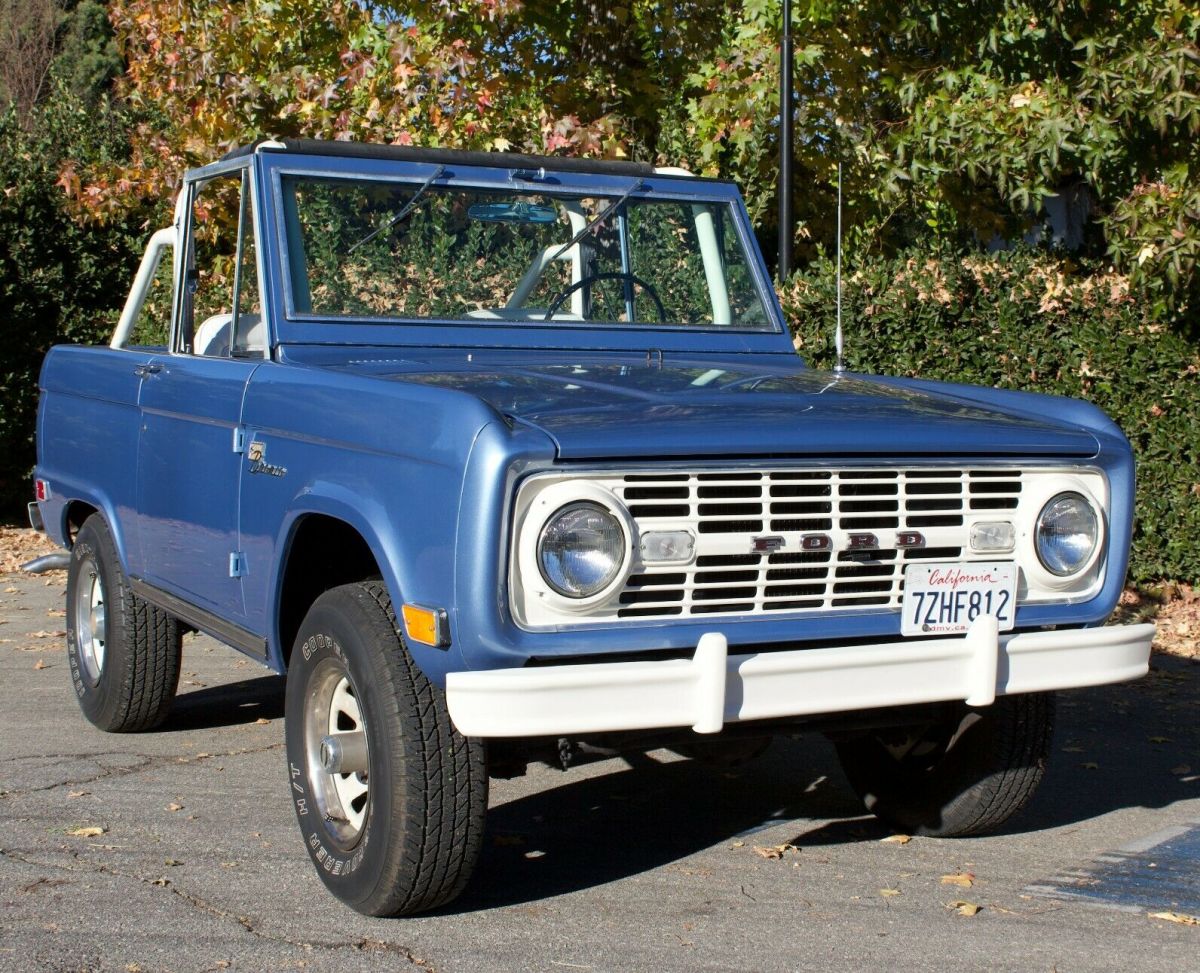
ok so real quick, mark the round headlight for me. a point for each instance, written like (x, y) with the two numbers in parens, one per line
(581, 550)
(1067, 532)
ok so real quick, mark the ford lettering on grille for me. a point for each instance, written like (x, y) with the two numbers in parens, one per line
(803, 540)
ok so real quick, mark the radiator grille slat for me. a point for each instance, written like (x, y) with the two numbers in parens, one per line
(727, 511)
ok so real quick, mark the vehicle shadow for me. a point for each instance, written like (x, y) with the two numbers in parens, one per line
(1114, 747)
(591, 831)
(1133, 745)
(231, 704)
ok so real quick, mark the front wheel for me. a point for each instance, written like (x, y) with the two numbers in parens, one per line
(964, 775)
(390, 798)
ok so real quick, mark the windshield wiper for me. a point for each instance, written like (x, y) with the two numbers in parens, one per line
(608, 211)
(408, 208)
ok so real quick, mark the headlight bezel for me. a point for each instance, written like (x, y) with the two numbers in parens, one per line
(1083, 581)
(529, 579)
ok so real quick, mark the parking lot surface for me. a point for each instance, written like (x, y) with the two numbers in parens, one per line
(178, 849)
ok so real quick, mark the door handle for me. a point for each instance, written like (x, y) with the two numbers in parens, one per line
(145, 371)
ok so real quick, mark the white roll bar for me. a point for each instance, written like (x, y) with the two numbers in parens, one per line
(141, 284)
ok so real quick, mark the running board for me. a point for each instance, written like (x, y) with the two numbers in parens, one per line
(202, 619)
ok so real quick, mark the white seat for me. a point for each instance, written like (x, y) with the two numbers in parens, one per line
(212, 337)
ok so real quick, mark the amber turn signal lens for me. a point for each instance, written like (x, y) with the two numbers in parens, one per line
(426, 625)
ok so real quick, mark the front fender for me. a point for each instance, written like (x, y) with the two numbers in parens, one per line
(414, 554)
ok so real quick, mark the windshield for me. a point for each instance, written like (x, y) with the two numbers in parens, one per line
(416, 251)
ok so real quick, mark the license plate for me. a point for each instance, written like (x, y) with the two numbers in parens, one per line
(944, 599)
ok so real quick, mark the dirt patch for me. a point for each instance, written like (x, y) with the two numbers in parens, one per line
(21, 544)
(1174, 609)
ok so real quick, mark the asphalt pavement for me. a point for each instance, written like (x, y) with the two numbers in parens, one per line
(178, 850)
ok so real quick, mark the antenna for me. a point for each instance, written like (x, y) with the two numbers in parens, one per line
(786, 106)
(837, 336)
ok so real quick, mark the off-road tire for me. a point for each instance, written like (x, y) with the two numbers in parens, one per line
(422, 825)
(134, 684)
(967, 775)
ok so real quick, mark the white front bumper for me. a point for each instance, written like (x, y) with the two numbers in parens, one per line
(714, 688)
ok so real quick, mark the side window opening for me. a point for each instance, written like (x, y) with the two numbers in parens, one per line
(152, 326)
(222, 311)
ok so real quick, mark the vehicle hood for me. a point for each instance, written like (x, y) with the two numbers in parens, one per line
(744, 405)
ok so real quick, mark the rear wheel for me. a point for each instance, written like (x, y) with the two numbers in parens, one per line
(390, 798)
(123, 652)
(964, 775)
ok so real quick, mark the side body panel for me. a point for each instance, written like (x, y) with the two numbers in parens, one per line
(386, 459)
(188, 479)
(88, 427)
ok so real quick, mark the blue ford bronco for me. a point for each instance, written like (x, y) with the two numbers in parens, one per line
(504, 458)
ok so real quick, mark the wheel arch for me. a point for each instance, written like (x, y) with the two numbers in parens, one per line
(321, 550)
(75, 513)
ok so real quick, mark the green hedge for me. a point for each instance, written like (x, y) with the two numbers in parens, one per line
(59, 280)
(1027, 320)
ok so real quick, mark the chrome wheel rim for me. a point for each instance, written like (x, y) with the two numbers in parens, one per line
(90, 620)
(332, 709)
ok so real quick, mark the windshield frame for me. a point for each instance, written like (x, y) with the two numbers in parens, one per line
(316, 328)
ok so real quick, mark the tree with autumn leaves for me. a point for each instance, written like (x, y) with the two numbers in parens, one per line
(952, 118)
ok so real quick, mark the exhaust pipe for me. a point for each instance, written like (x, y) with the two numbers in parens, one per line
(58, 561)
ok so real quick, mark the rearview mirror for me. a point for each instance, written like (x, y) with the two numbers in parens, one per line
(512, 213)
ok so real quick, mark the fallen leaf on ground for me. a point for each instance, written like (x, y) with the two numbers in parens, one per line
(535, 854)
(896, 839)
(56, 634)
(965, 879)
(40, 664)
(889, 893)
(1181, 769)
(262, 721)
(78, 793)
(171, 862)
(1180, 917)
(964, 908)
(772, 852)
(174, 807)
(163, 882)
(90, 832)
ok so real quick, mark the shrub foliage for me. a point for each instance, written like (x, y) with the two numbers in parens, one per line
(59, 280)
(1026, 320)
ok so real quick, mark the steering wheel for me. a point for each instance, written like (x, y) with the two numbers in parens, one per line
(612, 275)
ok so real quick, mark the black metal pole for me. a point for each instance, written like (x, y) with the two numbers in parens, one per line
(785, 145)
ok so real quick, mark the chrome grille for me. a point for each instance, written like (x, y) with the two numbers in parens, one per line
(726, 511)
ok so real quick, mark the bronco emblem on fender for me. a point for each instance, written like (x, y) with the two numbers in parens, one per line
(256, 453)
